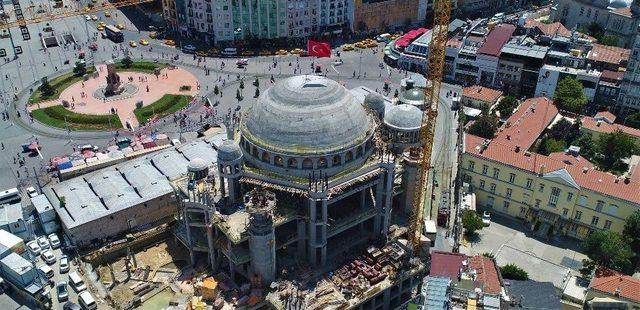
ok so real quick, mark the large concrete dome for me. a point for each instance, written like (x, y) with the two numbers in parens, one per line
(307, 115)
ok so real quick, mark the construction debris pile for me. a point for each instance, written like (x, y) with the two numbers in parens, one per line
(359, 277)
(220, 292)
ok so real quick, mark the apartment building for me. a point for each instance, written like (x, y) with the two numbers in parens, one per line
(379, 15)
(550, 76)
(489, 54)
(559, 194)
(519, 67)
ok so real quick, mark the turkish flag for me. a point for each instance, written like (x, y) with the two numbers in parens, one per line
(318, 49)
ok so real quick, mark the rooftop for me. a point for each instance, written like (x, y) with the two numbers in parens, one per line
(481, 93)
(551, 30)
(403, 116)
(8, 240)
(534, 295)
(496, 39)
(602, 126)
(535, 51)
(446, 264)
(609, 54)
(17, 263)
(41, 203)
(486, 274)
(10, 213)
(608, 281)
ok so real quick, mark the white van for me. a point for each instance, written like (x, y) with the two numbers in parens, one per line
(86, 301)
(46, 271)
(76, 282)
(230, 51)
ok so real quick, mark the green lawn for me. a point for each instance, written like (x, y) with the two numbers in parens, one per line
(164, 106)
(141, 66)
(55, 116)
(59, 84)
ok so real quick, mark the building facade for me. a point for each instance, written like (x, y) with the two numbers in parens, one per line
(380, 15)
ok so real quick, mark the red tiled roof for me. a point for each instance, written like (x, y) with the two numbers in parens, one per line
(525, 127)
(496, 39)
(569, 159)
(609, 54)
(612, 75)
(486, 274)
(446, 264)
(624, 11)
(481, 93)
(608, 281)
(606, 115)
(604, 127)
(553, 29)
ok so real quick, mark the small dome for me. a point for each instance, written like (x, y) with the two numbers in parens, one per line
(375, 102)
(414, 96)
(403, 116)
(618, 4)
(228, 151)
(197, 164)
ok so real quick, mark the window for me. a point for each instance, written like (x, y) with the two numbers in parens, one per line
(581, 11)
(509, 192)
(553, 199)
(537, 203)
(578, 215)
(529, 182)
(594, 221)
(512, 177)
(493, 188)
(505, 206)
(496, 172)
(569, 196)
(565, 211)
(613, 209)
(599, 205)
(481, 184)
(541, 189)
(471, 165)
(484, 169)
(607, 224)
(522, 210)
(583, 200)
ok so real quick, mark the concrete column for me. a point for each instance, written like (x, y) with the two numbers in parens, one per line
(312, 232)
(323, 229)
(388, 195)
(377, 222)
(222, 190)
(212, 252)
(362, 198)
(301, 238)
(186, 224)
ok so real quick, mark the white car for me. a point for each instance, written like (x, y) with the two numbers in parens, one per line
(34, 247)
(63, 292)
(46, 271)
(486, 218)
(48, 257)
(54, 241)
(43, 242)
(32, 192)
(87, 17)
(64, 263)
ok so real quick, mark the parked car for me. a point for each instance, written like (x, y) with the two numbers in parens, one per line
(48, 257)
(486, 218)
(54, 241)
(189, 49)
(63, 292)
(64, 263)
(46, 271)
(34, 247)
(43, 242)
(71, 306)
(32, 192)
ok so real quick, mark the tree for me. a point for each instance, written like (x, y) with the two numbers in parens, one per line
(485, 126)
(550, 145)
(608, 249)
(471, 222)
(79, 69)
(633, 120)
(614, 147)
(46, 89)
(631, 232)
(506, 106)
(127, 62)
(216, 90)
(569, 95)
(513, 272)
(609, 40)
(586, 145)
(565, 131)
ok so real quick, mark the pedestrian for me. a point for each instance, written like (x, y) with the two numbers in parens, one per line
(2, 145)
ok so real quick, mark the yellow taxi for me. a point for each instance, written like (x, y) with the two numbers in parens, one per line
(144, 42)
(347, 47)
(247, 53)
(213, 52)
(372, 44)
(153, 34)
(107, 14)
(282, 52)
(100, 28)
(103, 24)
(360, 45)
(120, 26)
(87, 9)
(94, 18)
(297, 51)
(132, 43)
(201, 53)
(170, 42)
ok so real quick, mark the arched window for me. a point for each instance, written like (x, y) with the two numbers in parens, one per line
(247, 146)
(236, 168)
(336, 160)
(292, 163)
(227, 169)
(265, 157)
(307, 163)
(359, 152)
(348, 156)
(255, 152)
(277, 160)
(322, 162)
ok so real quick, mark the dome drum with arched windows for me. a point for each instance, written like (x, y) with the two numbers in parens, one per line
(306, 123)
(402, 125)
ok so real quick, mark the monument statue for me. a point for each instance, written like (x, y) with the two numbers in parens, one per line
(114, 85)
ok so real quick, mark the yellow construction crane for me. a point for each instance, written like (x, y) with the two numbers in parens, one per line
(50, 15)
(436, 59)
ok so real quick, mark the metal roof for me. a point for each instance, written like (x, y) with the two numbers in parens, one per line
(435, 291)
(41, 203)
(198, 149)
(145, 178)
(10, 213)
(170, 163)
(535, 51)
(404, 117)
(17, 263)
(113, 189)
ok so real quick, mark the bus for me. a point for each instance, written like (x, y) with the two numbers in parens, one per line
(9, 196)
(230, 51)
(114, 34)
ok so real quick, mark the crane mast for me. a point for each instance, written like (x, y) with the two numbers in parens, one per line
(435, 68)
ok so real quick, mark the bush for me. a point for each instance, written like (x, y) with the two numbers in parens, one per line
(79, 69)
(485, 126)
(127, 62)
(139, 104)
(46, 89)
(65, 103)
(471, 222)
(513, 272)
(185, 88)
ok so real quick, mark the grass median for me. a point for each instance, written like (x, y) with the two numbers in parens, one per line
(164, 106)
(141, 66)
(58, 116)
(59, 84)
